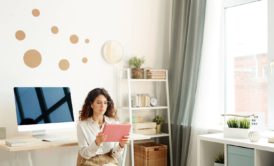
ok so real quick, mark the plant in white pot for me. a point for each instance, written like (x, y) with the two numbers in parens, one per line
(237, 128)
(136, 71)
(159, 121)
(219, 160)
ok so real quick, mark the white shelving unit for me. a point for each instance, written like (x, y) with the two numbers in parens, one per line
(210, 145)
(164, 108)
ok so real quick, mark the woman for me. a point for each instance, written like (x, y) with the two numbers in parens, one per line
(97, 110)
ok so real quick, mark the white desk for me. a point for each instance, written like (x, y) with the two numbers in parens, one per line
(24, 151)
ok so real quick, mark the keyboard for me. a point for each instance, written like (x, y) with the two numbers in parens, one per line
(56, 138)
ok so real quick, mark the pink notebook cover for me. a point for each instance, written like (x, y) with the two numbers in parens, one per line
(115, 132)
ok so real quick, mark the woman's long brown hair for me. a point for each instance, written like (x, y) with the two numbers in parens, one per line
(87, 111)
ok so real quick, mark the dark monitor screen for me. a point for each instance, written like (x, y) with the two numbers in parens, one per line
(43, 105)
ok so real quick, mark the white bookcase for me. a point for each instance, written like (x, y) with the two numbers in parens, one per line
(151, 87)
(210, 145)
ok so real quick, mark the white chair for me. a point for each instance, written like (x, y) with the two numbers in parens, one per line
(122, 161)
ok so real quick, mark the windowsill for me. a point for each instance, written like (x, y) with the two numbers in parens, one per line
(263, 133)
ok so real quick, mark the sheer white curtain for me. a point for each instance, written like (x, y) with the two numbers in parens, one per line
(209, 97)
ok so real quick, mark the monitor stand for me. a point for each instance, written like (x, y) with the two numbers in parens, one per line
(49, 137)
(38, 133)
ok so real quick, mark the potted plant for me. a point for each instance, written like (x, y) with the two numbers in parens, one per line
(237, 128)
(219, 160)
(135, 63)
(159, 120)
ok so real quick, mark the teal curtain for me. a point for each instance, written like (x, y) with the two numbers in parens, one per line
(187, 28)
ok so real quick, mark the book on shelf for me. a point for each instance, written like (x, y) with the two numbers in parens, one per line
(156, 77)
(156, 74)
(141, 100)
(148, 131)
(144, 125)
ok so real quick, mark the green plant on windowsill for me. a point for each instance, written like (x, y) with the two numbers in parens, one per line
(244, 123)
(233, 123)
(238, 123)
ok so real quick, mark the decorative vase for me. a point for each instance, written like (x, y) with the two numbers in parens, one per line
(253, 136)
(158, 128)
(137, 73)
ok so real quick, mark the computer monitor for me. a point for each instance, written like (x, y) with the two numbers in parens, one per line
(39, 109)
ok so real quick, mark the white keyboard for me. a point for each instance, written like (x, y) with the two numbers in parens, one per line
(56, 138)
(17, 142)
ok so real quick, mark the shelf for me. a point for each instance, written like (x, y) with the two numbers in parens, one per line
(159, 135)
(147, 80)
(149, 86)
(145, 108)
(210, 145)
(139, 137)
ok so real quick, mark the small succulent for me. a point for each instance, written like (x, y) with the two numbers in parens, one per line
(136, 62)
(158, 119)
(220, 158)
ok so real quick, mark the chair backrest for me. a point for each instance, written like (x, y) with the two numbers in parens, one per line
(79, 158)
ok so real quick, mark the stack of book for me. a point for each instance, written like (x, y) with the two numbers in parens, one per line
(141, 100)
(156, 73)
(146, 128)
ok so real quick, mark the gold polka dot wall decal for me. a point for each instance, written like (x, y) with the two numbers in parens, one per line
(87, 41)
(74, 39)
(64, 64)
(20, 35)
(35, 12)
(85, 60)
(32, 58)
(54, 29)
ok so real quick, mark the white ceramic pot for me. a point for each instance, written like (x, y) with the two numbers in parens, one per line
(218, 164)
(236, 133)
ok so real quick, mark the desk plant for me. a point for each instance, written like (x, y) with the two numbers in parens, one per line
(237, 127)
(135, 63)
(239, 123)
(159, 121)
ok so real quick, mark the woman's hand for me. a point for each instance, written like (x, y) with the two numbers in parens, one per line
(100, 138)
(123, 141)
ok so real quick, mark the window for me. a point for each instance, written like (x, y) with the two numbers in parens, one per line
(246, 58)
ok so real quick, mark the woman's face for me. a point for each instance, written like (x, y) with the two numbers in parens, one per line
(99, 105)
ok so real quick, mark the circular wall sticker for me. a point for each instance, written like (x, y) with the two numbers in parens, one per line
(112, 52)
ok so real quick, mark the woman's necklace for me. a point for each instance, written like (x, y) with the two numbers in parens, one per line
(100, 122)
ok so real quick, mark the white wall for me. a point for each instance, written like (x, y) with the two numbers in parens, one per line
(271, 60)
(140, 25)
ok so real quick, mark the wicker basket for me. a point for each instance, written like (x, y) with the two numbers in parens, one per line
(150, 154)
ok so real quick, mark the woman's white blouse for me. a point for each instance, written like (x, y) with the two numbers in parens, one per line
(87, 131)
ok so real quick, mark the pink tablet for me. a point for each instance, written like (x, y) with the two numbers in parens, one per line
(115, 132)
